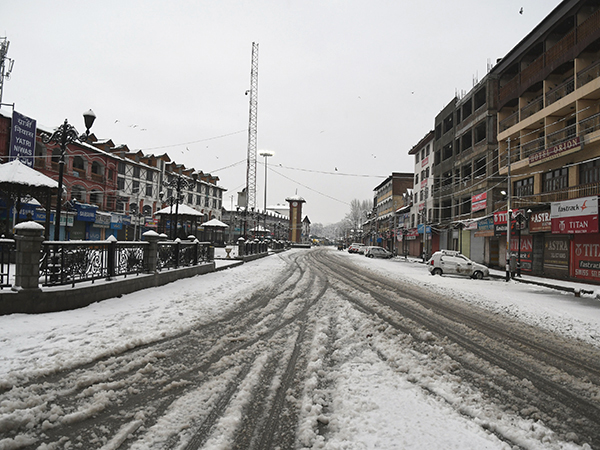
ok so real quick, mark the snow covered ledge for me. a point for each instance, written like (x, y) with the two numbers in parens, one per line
(28, 240)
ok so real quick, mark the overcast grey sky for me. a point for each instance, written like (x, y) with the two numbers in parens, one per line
(343, 84)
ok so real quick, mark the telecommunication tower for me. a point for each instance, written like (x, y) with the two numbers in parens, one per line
(252, 128)
(6, 64)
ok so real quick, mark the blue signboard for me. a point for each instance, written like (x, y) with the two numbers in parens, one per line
(22, 138)
(86, 213)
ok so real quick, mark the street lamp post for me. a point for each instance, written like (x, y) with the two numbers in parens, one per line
(520, 217)
(179, 183)
(266, 154)
(64, 135)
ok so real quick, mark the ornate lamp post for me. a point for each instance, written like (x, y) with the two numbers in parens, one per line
(178, 183)
(520, 217)
(64, 135)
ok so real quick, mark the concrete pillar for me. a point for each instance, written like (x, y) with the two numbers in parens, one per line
(151, 252)
(28, 241)
(241, 246)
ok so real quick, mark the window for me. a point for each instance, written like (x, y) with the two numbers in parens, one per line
(120, 183)
(427, 173)
(121, 168)
(416, 179)
(190, 199)
(136, 187)
(524, 188)
(96, 198)
(555, 180)
(136, 172)
(78, 167)
(589, 172)
(111, 174)
(56, 155)
(422, 154)
(149, 175)
(78, 193)
(149, 189)
(427, 150)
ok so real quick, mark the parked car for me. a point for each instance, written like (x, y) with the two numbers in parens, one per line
(377, 252)
(453, 262)
(354, 247)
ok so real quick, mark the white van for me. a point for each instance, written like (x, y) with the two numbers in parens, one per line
(453, 262)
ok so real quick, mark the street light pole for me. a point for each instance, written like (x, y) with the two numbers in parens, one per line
(64, 135)
(266, 154)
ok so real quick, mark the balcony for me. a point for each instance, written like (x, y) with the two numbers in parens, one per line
(588, 74)
(561, 135)
(536, 105)
(560, 91)
(590, 124)
(563, 51)
(509, 121)
(584, 190)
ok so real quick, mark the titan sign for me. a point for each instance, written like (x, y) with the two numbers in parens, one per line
(575, 216)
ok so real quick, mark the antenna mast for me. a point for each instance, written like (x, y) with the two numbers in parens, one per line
(6, 64)
(251, 169)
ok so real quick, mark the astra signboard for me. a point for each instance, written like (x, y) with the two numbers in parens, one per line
(575, 216)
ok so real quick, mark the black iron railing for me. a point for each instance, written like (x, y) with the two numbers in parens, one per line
(69, 262)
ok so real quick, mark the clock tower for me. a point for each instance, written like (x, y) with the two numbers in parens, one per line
(295, 218)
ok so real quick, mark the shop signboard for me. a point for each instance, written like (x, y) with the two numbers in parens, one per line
(564, 148)
(556, 255)
(586, 257)
(500, 219)
(85, 213)
(577, 216)
(22, 138)
(479, 202)
(116, 222)
(526, 251)
(540, 222)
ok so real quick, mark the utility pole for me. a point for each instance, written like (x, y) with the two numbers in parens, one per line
(252, 131)
(508, 215)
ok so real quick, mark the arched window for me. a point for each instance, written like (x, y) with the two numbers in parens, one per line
(78, 193)
(78, 167)
(147, 210)
(97, 169)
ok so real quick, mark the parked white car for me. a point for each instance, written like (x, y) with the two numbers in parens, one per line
(377, 252)
(453, 262)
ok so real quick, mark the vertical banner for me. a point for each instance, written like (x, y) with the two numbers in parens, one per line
(22, 138)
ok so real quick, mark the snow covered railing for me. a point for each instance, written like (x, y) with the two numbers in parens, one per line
(71, 262)
(178, 253)
(56, 263)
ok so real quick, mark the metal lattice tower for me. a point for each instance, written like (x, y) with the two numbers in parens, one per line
(252, 128)
(6, 64)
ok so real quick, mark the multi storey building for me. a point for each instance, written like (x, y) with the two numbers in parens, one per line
(421, 211)
(110, 190)
(549, 140)
(466, 179)
(387, 199)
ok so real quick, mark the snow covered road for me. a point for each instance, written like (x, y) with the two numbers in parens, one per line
(306, 349)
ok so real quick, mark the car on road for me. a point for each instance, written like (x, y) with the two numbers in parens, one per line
(377, 252)
(454, 263)
(356, 248)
